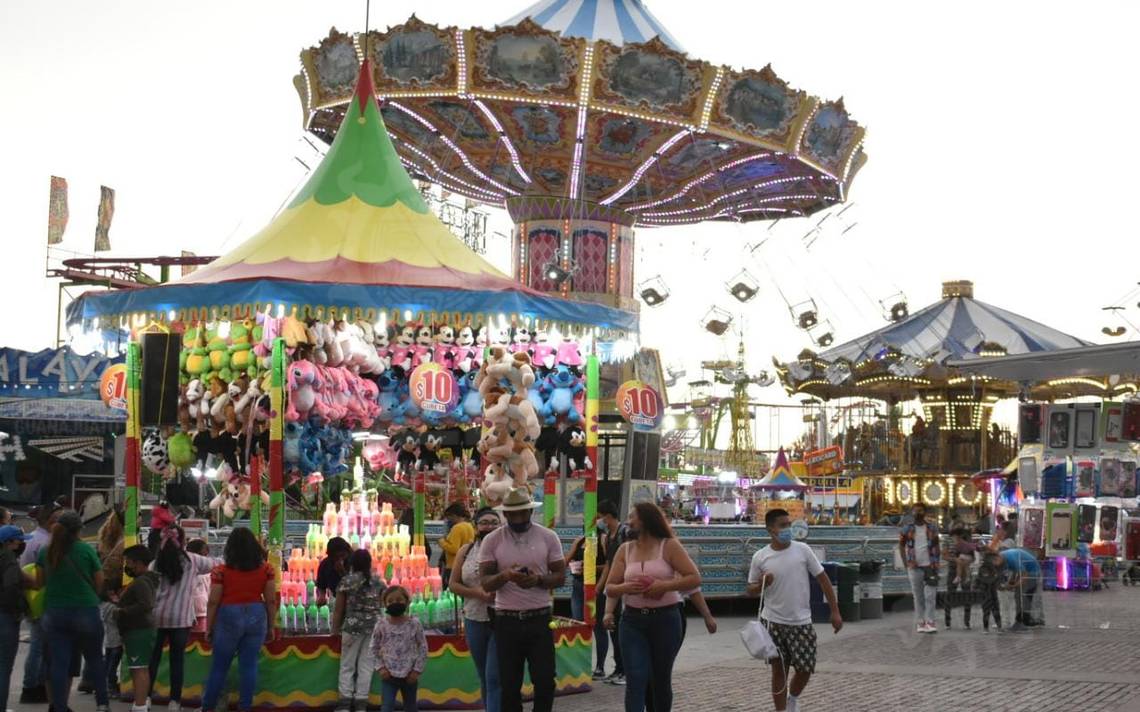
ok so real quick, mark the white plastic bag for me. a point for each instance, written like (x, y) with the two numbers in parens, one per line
(756, 638)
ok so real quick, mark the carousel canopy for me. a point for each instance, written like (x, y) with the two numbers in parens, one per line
(357, 238)
(781, 477)
(915, 353)
(590, 102)
(618, 21)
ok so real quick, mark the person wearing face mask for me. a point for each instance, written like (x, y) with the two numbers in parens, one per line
(477, 603)
(612, 533)
(921, 550)
(13, 583)
(399, 648)
(779, 572)
(521, 563)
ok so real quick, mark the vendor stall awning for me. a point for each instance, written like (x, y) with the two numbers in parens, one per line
(358, 235)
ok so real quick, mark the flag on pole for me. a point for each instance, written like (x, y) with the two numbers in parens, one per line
(106, 212)
(57, 210)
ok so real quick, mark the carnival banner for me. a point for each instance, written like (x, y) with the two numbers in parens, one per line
(57, 210)
(106, 212)
(52, 373)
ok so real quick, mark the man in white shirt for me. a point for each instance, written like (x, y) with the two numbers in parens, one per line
(781, 571)
(921, 550)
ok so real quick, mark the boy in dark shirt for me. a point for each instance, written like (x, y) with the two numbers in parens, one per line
(135, 616)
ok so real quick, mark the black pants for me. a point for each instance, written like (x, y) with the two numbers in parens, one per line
(957, 594)
(177, 637)
(529, 642)
(615, 639)
(649, 688)
(990, 604)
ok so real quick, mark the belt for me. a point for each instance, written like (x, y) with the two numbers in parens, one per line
(524, 615)
(628, 610)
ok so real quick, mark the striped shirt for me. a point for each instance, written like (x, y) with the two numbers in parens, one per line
(174, 602)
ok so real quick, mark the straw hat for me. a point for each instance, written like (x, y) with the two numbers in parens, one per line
(517, 500)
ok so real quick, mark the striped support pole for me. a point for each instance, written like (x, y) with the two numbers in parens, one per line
(255, 495)
(419, 504)
(276, 455)
(590, 505)
(133, 463)
(549, 499)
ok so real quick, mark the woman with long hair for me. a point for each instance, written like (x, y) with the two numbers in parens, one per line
(174, 615)
(72, 576)
(466, 581)
(240, 616)
(649, 573)
(358, 607)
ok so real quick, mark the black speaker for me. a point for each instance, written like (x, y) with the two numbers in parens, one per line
(645, 455)
(159, 383)
(611, 490)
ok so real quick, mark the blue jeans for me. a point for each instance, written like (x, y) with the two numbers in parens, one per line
(577, 598)
(238, 628)
(650, 643)
(34, 663)
(9, 643)
(65, 631)
(177, 638)
(407, 691)
(481, 643)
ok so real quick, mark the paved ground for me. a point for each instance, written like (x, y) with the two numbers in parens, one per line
(1086, 659)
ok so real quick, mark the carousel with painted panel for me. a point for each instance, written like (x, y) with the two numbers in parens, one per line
(587, 120)
(351, 356)
(909, 423)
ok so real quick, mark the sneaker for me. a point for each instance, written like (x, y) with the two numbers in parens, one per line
(344, 705)
(967, 625)
(174, 706)
(920, 628)
(599, 674)
(85, 688)
(930, 627)
(616, 679)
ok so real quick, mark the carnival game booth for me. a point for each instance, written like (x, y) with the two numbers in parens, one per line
(356, 311)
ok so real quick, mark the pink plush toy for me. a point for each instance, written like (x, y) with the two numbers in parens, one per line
(270, 330)
(304, 384)
(402, 350)
(568, 353)
(424, 348)
(542, 354)
(446, 351)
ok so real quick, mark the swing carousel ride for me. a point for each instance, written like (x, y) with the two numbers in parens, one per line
(586, 120)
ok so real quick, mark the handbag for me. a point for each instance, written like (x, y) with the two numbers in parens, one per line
(930, 576)
(755, 636)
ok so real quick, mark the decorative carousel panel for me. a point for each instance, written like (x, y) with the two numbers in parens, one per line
(621, 139)
(649, 78)
(831, 137)
(414, 56)
(457, 119)
(525, 59)
(591, 247)
(543, 248)
(330, 69)
(760, 105)
(539, 130)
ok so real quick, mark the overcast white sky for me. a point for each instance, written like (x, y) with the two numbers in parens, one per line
(1001, 141)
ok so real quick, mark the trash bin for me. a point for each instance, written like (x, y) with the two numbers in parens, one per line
(820, 611)
(848, 592)
(871, 589)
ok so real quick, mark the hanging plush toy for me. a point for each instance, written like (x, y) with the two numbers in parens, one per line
(242, 358)
(407, 444)
(263, 348)
(520, 339)
(291, 444)
(429, 451)
(219, 355)
(496, 484)
(446, 350)
(180, 448)
(542, 353)
(391, 410)
(465, 359)
(294, 332)
(304, 384)
(382, 340)
(563, 384)
(246, 402)
(403, 349)
(568, 353)
(188, 402)
(155, 455)
(424, 348)
(572, 445)
(547, 444)
(197, 357)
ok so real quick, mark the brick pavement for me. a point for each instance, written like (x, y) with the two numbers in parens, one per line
(1086, 659)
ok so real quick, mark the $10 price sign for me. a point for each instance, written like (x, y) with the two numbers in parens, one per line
(640, 404)
(433, 388)
(113, 386)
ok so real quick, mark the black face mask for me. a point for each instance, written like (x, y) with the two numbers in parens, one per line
(397, 609)
(19, 550)
(519, 527)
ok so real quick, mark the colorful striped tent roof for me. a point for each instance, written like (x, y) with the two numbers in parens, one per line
(618, 21)
(781, 477)
(358, 237)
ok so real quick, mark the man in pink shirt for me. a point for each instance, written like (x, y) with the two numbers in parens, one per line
(522, 562)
